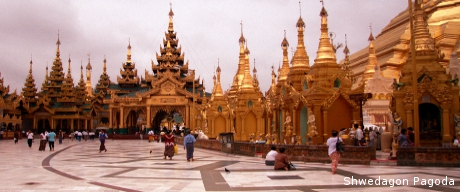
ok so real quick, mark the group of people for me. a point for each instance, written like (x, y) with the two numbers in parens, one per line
(406, 137)
(171, 147)
(45, 137)
(280, 160)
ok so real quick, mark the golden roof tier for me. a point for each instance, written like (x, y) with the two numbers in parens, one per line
(128, 74)
(393, 43)
(29, 91)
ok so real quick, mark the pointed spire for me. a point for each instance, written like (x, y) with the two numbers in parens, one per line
(242, 40)
(81, 72)
(171, 14)
(58, 43)
(105, 66)
(423, 40)
(300, 57)
(30, 68)
(68, 69)
(218, 89)
(346, 50)
(371, 37)
(285, 68)
(372, 60)
(128, 56)
(325, 53)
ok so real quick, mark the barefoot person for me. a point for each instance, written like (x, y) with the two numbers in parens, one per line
(169, 145)
(189, 140)
(102, 137)
(333, 153)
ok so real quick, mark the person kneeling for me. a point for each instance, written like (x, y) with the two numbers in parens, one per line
(282, 161)
(270, 158)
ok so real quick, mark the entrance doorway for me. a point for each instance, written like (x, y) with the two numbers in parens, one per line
(134, 121)
(163, 119)
(430, 122)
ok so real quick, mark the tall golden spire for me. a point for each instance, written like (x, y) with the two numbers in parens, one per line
(69, 74)
(171, 14)
(105, 66)
(372, 61)
(88, 77)
(218, 90)
(128, 56)
(238, 78)
(325, 53)
(248, 83)
(300, 58)
(346, 63)
(285, 67)
(424, 44)
(58, 43)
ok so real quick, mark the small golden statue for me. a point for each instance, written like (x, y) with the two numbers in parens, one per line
(275, 139)
(268, 139)
(298, 140)
(251, 137)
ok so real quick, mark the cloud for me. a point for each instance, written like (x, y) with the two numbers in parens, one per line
(207, 31)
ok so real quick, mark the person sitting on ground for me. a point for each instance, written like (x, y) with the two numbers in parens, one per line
(282, 161)
(456, 141)
(270, 158)
(402, 138)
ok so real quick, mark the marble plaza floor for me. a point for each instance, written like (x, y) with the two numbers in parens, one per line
(128, 166)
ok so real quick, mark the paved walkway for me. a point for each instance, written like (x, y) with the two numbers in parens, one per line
(128, 166)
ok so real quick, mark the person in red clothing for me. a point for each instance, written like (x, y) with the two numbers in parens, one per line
(169, 145)
(281, 161)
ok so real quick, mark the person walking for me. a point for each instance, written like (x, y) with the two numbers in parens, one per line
(373, 137)
(30, 138)
(150, 135)
(332, 151)
(42, 142)
(102, 137)
(16, 137)
(60, 136)
(51, 138)
(169, 145)
(189, 141)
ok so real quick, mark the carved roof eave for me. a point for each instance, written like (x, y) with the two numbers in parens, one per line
(330, 101)
(32, 110)
(175, 81)
(149, 92)
(185, 92)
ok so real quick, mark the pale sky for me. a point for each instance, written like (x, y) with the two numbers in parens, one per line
(208, 31)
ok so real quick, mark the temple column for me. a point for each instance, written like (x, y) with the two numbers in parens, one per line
(187, 116)
(35, 123)
(122, 122)
(446, 137)
(410, 118)
(149, 118)
(326, 128)
(212, 128)
(110, 117)
(72, 125)
(294, 121)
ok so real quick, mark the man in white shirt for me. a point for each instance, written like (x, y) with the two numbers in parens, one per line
(270, 158)
(150, 135)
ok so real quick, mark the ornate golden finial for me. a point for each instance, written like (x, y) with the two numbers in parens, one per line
(254, 70)
(128, 56)
(58, 42)
(30, 68)
(242, 40)
(300, 9)
(346, 50)
(170, 10)
(322, 2)
(371, 37)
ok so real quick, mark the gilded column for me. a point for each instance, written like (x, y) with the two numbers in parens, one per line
(110, 117)
(149, 118)
(446, 137)
(71, 125)
(294, 121)
(187, 116)
(122, 122)
(409, 118)
(86, 124)
(326, 128)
